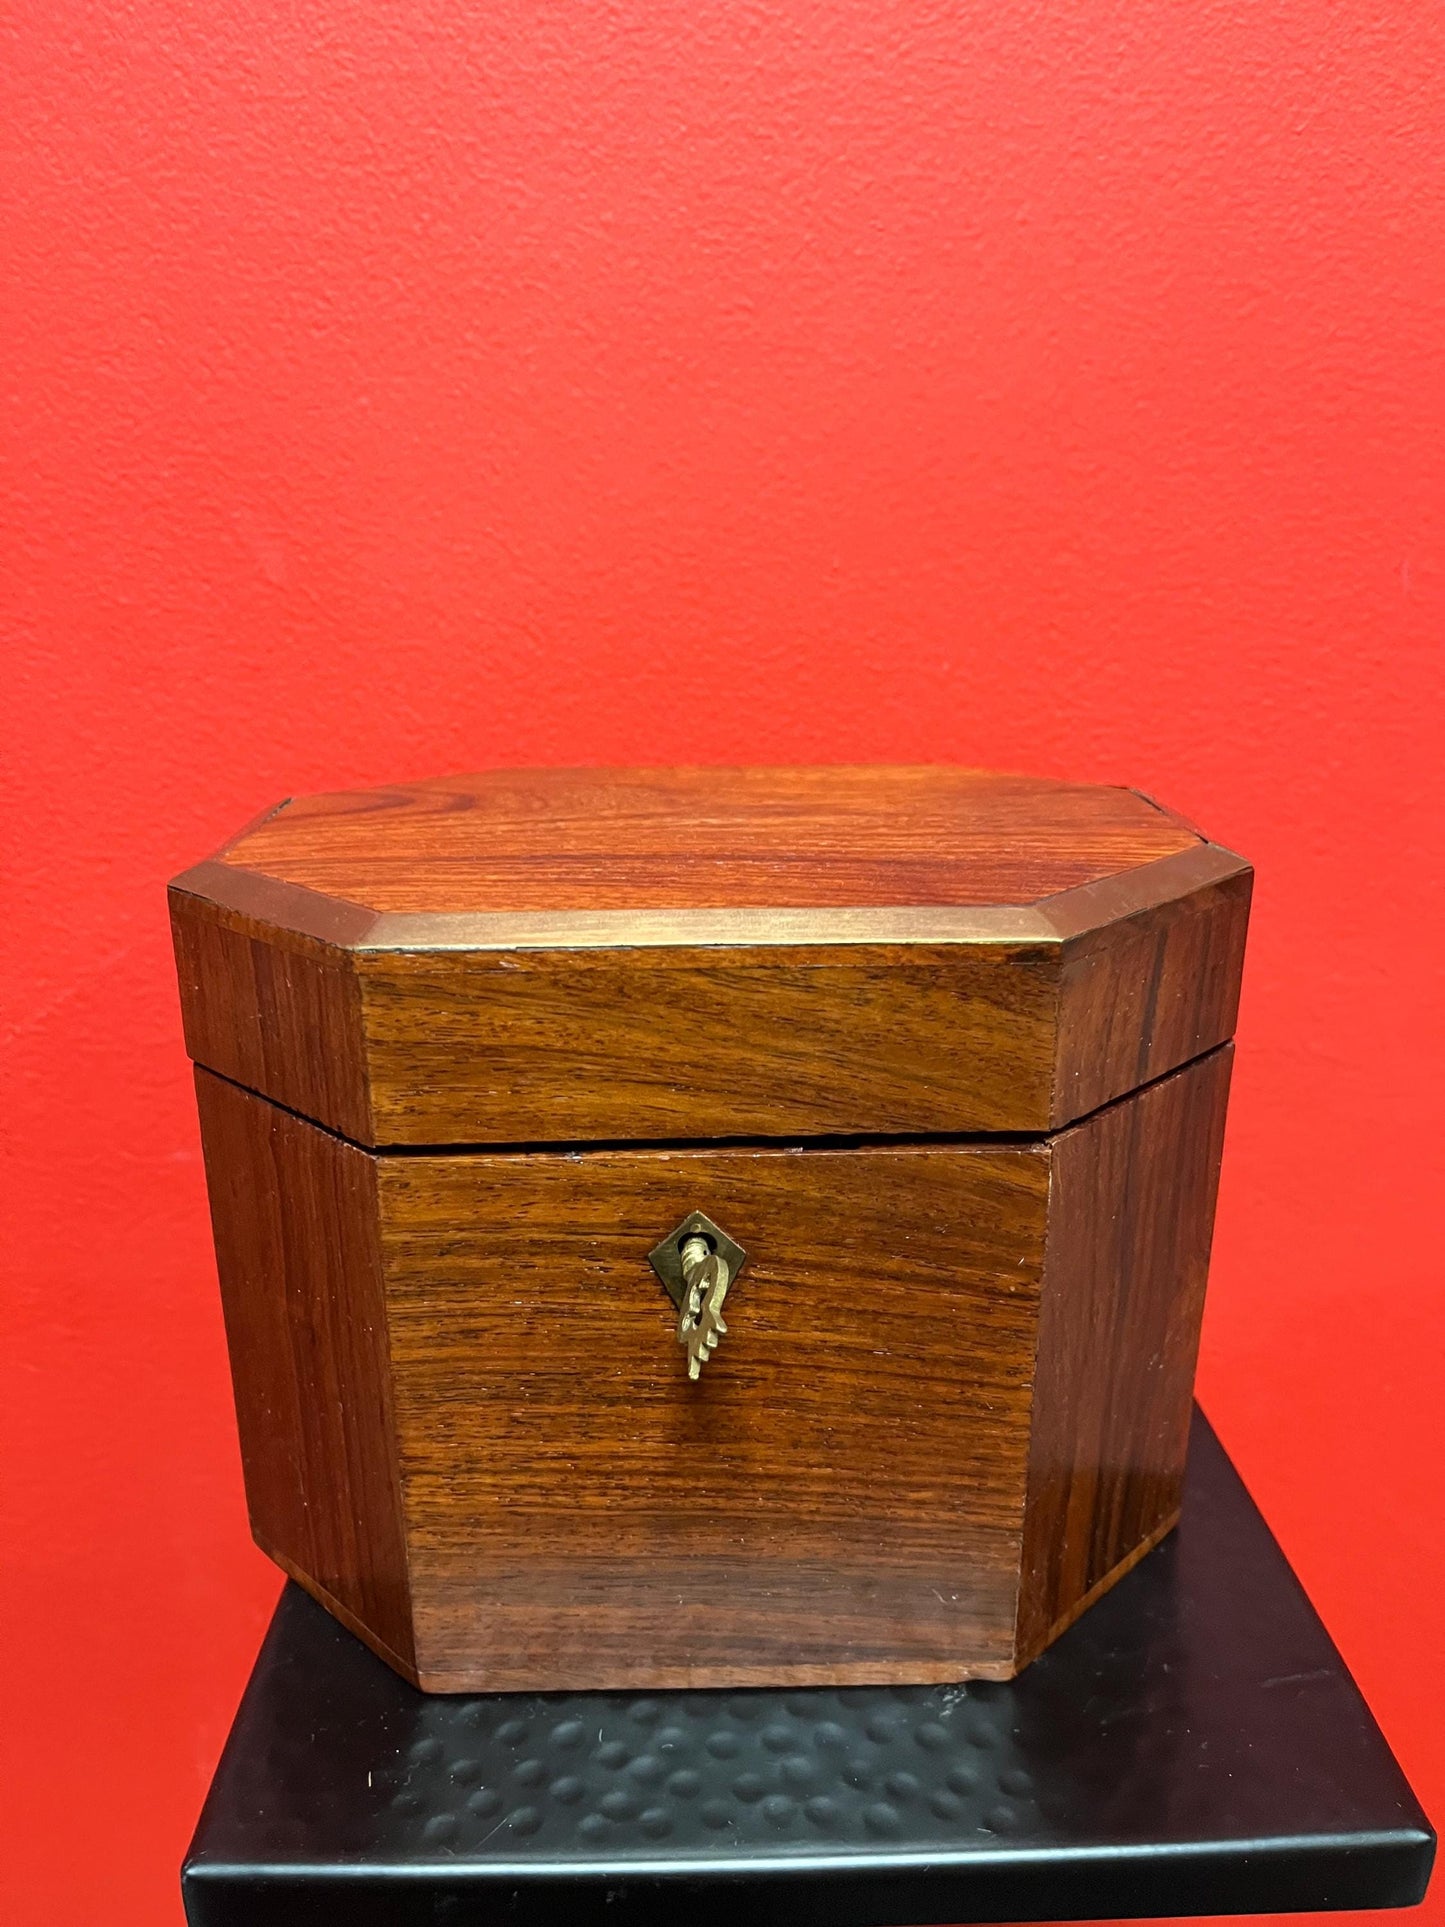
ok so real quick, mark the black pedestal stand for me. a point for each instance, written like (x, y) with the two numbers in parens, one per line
(1193, 1746)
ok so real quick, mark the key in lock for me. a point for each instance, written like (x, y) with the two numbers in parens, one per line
(697, 1262)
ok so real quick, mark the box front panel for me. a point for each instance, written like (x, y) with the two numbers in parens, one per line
(838, 1497)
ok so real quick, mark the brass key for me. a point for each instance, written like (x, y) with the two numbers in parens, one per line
(701, 1324)
(697, 1261)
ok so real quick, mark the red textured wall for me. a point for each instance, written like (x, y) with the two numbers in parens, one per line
(391, 389)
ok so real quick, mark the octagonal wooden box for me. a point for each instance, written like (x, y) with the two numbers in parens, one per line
(945, 1054)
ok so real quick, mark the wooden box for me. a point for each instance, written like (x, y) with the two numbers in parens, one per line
(944, 1054)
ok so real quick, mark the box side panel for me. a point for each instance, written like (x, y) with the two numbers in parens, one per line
(838, 1499)
(294, 1213)
(277, 1012)
(558, 1046)
(1146, 993)
(1131, 1212)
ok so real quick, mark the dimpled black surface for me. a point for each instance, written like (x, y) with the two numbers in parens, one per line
(1193, 1745)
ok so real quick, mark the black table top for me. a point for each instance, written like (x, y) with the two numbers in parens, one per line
(1193, 1745)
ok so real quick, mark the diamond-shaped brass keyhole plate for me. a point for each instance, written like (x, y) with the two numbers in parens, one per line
(666, 1258)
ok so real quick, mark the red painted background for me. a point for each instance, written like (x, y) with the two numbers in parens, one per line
(393, 389)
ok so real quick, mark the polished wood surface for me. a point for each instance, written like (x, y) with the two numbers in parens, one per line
(1145, 990)
(1017, 1025)
(839, 1497)
(281, 1014)
(1131, 1213)
(947, 1364)
(295, 1215)
(510, 840)
(913, 1037)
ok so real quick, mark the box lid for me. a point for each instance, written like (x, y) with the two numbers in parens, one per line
(583, 956)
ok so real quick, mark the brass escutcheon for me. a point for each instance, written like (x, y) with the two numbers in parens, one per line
(697, 1262)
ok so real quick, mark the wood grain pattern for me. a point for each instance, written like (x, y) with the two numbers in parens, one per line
(949, 1410)
(659, 838)
(885, 952)
(953, 1398)
(550, 1047)
(294, 1212)
(1131, 1213)
(1118, 982)
(1141, 993)
(838, 1498)
(273, 1010)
